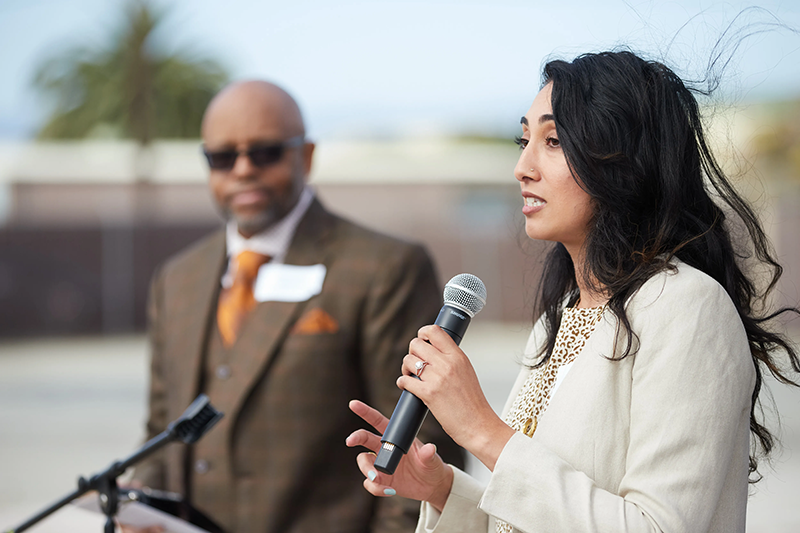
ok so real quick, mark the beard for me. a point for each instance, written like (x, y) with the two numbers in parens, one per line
(250, 221)
(250, 225)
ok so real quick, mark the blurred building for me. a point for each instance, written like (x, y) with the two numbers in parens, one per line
(85, 224)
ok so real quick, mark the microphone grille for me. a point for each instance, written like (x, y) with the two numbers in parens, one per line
(467, 292)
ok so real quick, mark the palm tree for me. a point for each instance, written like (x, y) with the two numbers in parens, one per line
(128, 90)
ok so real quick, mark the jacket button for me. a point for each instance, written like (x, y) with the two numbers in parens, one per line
(201, 466)
(529, 427)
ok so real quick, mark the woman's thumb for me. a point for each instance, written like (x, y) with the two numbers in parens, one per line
(427, 454)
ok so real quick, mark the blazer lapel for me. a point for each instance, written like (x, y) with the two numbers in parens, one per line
(598, 347)
(271, 322)
(197, 294)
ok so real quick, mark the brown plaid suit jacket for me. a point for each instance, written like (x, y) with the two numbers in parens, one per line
(280, 456)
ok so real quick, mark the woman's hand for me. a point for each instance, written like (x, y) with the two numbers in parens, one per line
(421, 474)
(451, 390)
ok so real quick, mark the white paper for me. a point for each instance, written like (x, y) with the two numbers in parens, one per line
(137, 514)
(288, 283)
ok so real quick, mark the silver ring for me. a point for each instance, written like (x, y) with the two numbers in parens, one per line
(420, 366)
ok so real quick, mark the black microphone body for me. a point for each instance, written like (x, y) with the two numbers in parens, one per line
(465, 295)
(410, 411)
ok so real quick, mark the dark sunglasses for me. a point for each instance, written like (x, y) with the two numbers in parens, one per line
(260, 155)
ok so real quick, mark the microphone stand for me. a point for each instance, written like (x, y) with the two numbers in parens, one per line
(198, 418)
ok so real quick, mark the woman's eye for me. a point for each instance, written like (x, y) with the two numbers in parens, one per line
(522, 143)
(552, 142)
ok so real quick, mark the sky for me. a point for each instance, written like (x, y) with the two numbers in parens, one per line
(389, 68)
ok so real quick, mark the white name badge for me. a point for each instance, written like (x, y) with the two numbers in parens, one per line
(288, 283)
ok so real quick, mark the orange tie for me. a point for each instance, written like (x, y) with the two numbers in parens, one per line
(236, 302)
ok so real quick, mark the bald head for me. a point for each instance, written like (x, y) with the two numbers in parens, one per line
(256, 117)
(255, 101)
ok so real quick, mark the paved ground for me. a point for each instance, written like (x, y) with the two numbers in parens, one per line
(71, 407)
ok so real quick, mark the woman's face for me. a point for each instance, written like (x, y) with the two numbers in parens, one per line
(555, 206)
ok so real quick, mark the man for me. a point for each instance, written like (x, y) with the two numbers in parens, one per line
(281, 319)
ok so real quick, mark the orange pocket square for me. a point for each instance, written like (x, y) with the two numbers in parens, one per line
(315, 321)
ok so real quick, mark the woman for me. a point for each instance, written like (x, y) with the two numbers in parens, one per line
(635, 408)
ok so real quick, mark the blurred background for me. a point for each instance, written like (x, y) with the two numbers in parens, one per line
(413, 106)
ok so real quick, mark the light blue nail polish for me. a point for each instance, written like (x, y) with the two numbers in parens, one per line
(389, 492)
(372, 475)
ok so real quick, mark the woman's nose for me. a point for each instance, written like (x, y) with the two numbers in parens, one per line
(525, 168)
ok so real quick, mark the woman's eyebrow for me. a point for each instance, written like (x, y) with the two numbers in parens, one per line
(544, 118)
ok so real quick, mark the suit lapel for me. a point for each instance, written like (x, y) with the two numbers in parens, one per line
(270, 323)
(196, 300)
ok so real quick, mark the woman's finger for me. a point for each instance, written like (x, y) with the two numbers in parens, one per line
(426, 453)
(424, 331)
(366, 463)
(371, 416)
(419, 347)
(364, 438)
(410, 363)
(437, 337)
(412, 385)
(376, 483)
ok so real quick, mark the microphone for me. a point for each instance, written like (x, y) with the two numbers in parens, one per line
(464, 297)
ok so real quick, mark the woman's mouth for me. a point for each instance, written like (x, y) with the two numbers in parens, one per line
(532, 204)
(531, 201)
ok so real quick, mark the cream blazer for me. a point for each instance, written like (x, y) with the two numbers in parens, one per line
(657, 441)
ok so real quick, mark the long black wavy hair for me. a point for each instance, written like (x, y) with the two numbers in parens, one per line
(632, 135)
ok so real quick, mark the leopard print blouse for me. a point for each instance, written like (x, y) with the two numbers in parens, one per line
(577, 325)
